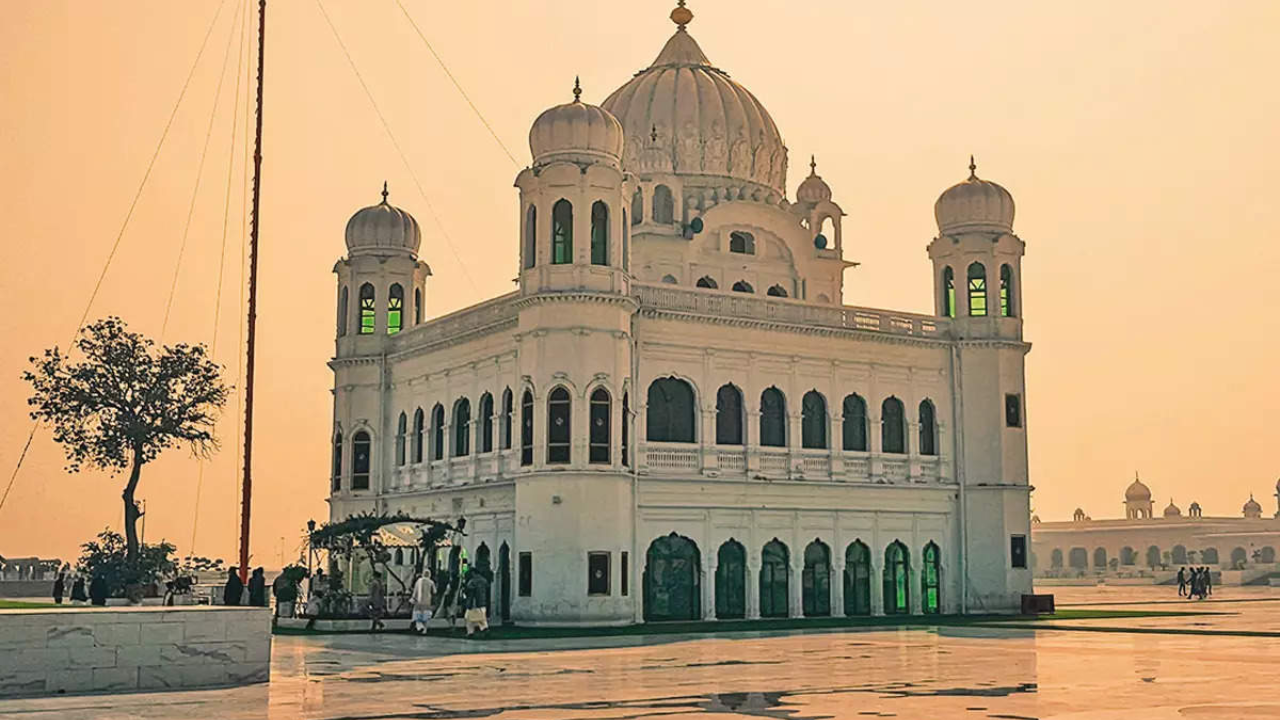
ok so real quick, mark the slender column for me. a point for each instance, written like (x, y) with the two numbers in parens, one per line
(795, 608)
(796, 463)
(709, 589)
(877, 590)
(753, 586)
(837, 589)
(916, 601)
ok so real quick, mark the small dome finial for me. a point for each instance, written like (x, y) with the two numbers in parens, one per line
(973, 175)
(653, 134)
(577, 90)
(813, 165)
(682, 15)
(384, 191)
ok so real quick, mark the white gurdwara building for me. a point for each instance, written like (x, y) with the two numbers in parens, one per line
(674, 416)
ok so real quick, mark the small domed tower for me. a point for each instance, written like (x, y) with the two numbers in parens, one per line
(975, 247)
(573, 354)
(1252, 509)
(1137, 501)
(1172, 511)
(822, 216)
(1194, 511)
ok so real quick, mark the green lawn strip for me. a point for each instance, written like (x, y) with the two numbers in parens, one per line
(517, 632)
(19, 605)
(1168, 602)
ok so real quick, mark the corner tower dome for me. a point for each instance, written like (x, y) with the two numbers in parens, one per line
(1172, 510)
(1137, 492)
(710, 128)
(975, 205)
(577, 132)
(383, 229)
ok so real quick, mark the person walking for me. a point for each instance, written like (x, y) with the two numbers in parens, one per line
(377, 601)
(98, 590)
(423, 598)
(234, 589)
(258, 588)
(1208, 581)
(59, 587)
(1182, 581)
(476, 595)
(78, 595)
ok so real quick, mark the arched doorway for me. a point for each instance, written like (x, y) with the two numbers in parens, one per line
(1209, 556)
(1128, 556)
(774, 569)
(1153, 557)
(731, 581)
(857, 579)
(1180, 554)
(672, 582)
(504, 580)
(1239, 557)
(482, 561)
(1055, 558)
(1078, 558)
(815, 580)
(1100, 558)
(931, 579)
(897, 585)
(1268, 555)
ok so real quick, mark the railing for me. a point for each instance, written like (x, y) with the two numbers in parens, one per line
(732, 462)
(740, 305)
(667, 458)
(894, 470)
(775, 463)
(463, 322)
(816, 467)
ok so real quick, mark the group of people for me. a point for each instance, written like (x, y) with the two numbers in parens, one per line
(468, 597)
(93, 592)
(1196, 583)
(233, 591)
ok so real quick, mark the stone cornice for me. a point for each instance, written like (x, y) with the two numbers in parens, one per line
(543, 298)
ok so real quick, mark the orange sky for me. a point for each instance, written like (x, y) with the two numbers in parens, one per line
(1139, 139)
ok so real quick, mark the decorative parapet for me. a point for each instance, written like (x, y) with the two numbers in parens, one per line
(740, 306)
(459, 326)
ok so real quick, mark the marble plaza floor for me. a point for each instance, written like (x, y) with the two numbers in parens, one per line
(1134, 668)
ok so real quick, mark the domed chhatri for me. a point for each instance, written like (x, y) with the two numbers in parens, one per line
(708, 126)
(975, 205)
(1252, 509)
(383, 228)
(576, 132)
(813, 189)
(1137, 491)
(1172, 510)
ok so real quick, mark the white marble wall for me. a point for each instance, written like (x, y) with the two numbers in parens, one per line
(46, 652)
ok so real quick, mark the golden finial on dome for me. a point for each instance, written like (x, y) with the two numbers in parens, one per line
(682, 15)
(577, 90)
(384, 191)
(813, 165)
(973, 175)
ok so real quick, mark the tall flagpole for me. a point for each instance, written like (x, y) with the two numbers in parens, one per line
(247, 488)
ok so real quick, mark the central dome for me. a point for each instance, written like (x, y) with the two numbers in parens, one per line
(702, 122)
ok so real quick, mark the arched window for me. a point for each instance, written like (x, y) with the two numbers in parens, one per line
(931, 580)
(486, 423)
(399, 557)
(1100, 558)
(773, 418)
(948, 292)
(368, 309)
(855, 423)
(776, 291)
(742, 242)
(1179, 555)
(706, 281)
(893, 435)
(813, 421)
(558, 419)
(337, 461)
(731, 581)
(599, 233)
(897, 585)
(562, 233)
(637, 207)
(977, 290)
(928, 428)
(1153, 557)
(857, 579)
(1006, 291)
(402, 430)
(419, 435)
(462, 427)
(437, 432)
(664, 205)
(815, 580)
(526, 428)
(1209, 556)
(669, 279)
(672, 580)
(531, 237)
(774, 575)
(601, 421)
(395, 309)
(417, 306)
(361, 449)
(729, 417)
(626, 428)
(507, 411)
(670, 412)
(743, 286)
(1055, 558)
(342, 310)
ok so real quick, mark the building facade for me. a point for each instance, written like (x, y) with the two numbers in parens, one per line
(1141, 542)
(674, 416)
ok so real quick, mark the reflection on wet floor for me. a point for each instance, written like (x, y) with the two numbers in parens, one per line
(948, 672)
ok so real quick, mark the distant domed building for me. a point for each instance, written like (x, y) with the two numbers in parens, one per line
(674, 416)
(1244, 546)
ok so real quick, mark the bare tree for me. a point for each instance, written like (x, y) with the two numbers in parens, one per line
(126, 402)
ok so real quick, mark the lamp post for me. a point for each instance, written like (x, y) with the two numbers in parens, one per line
(311, 531)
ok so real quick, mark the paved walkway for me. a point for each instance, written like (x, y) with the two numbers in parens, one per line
(959, 672)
